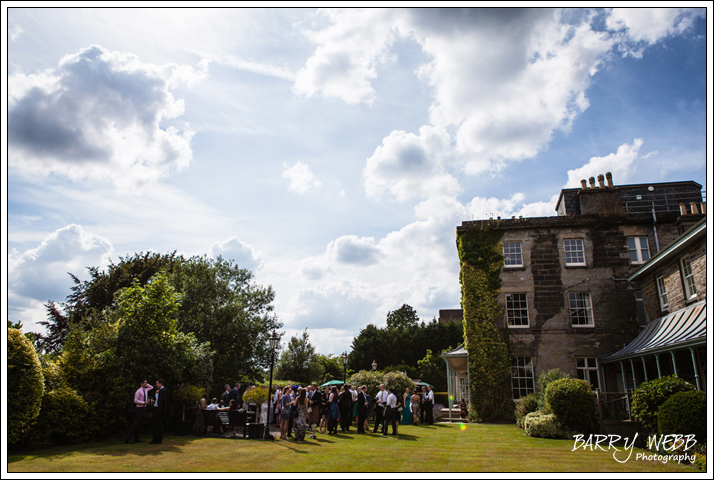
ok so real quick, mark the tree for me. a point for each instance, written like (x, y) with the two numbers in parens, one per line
(299, 361)
(25, 385)
(332, 367)
(404, 317)
(432, 369)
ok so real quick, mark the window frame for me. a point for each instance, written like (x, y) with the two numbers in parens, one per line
(508, 320)
(587, 370)
(638, 250)
(690, 287)
(521, 382)
(506, 255)
(588, 308)
(571, 252)
(662, 293)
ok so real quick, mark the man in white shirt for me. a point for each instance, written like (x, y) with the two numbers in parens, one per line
(381, 399)
(390, 415)
(430, 406)
(213, 405)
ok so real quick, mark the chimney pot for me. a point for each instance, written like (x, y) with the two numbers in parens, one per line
(682, 208)
(592, 182)
(584, 184)
(695, 209)
(601, 180)
(608, 176)
(704, 208)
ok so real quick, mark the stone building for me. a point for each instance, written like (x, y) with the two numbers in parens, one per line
(566, 295)
(674, 292)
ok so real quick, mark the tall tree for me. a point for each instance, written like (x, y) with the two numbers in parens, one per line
(299, 361)
(402, 318)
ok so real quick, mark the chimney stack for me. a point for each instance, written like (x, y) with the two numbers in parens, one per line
(584, 184)
(608, 176)
(601, 180)
(592, 182)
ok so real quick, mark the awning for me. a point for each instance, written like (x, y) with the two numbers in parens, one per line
(684, 328)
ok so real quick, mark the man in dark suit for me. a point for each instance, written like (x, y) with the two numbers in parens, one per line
(422, 405)
(161, 406)
(344, 404)
(235, 395)
(362, 407)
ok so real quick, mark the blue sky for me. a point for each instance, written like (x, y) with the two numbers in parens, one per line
(332, 152)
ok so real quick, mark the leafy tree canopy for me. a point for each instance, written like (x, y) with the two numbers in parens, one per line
(299, 361)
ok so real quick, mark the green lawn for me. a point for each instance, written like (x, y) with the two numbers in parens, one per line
(438, 448)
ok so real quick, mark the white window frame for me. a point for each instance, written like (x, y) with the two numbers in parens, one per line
(662, 293)
(510, 255)
(690, 287)
(587, 308)
(569, 250)
(522, 377)
(519, 308)
(639, 258)
(585, 372)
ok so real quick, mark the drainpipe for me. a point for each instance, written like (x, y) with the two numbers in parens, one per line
(696, 369)
(654, 227)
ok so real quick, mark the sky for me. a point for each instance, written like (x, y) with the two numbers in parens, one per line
(331, 152)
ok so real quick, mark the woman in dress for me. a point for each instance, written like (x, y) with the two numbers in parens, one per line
(324, 410)
(301, 406)
(464, 408)
(407, 418)
(333, 412)
(284, 413)
(415, 401)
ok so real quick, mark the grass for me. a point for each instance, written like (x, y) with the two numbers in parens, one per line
(437, 448)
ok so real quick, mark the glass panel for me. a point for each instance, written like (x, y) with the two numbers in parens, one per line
(592, 362)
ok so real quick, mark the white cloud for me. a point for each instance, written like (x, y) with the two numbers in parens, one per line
(100, 115)
(619, 164)
(41, 274)
(15, 32)
(301, 178)
(410, 165)
(348, 52)
(353, 250)
(651, 25)
(243, 254)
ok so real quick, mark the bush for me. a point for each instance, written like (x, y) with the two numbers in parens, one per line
(372, 380)
(524, 406)
(649, 397)
(257, 395)
(539, 424)
(573, 403)
(684, 413)
(65, 418)
(545, 379)
(25, 385)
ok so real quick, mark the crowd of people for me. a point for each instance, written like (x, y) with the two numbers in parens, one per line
(298, 409)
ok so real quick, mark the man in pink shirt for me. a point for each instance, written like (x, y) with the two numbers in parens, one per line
(141, 400)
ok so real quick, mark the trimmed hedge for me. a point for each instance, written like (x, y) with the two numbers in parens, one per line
(573, 403)
(527, 404)
(543, 425)
(25, 385)
(65, 418)
(650, 396)
(684, 413)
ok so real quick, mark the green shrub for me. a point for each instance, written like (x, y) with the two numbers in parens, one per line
(542, 425)
(524, 406)
(25, 385)
(649, 397)
(372, 380)
(65, 418)
(684, 413)
(544, 379)
(573, 403)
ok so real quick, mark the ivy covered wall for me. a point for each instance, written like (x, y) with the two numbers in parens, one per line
(480, 254)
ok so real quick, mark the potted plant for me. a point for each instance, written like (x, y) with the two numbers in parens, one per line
(258, 396)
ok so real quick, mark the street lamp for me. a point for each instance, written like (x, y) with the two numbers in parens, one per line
(344, 362)
(374, 365)
(274, 340)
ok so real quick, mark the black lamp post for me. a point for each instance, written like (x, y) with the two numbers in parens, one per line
(344, 362)
(374, 365)
(274, 341)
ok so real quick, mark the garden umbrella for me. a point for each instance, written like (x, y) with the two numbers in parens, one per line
(332, 382)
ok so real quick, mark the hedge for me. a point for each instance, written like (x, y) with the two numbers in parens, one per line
(684, 413)
(650, 396)
(25, 385)
(543, 425)
(573, 403)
